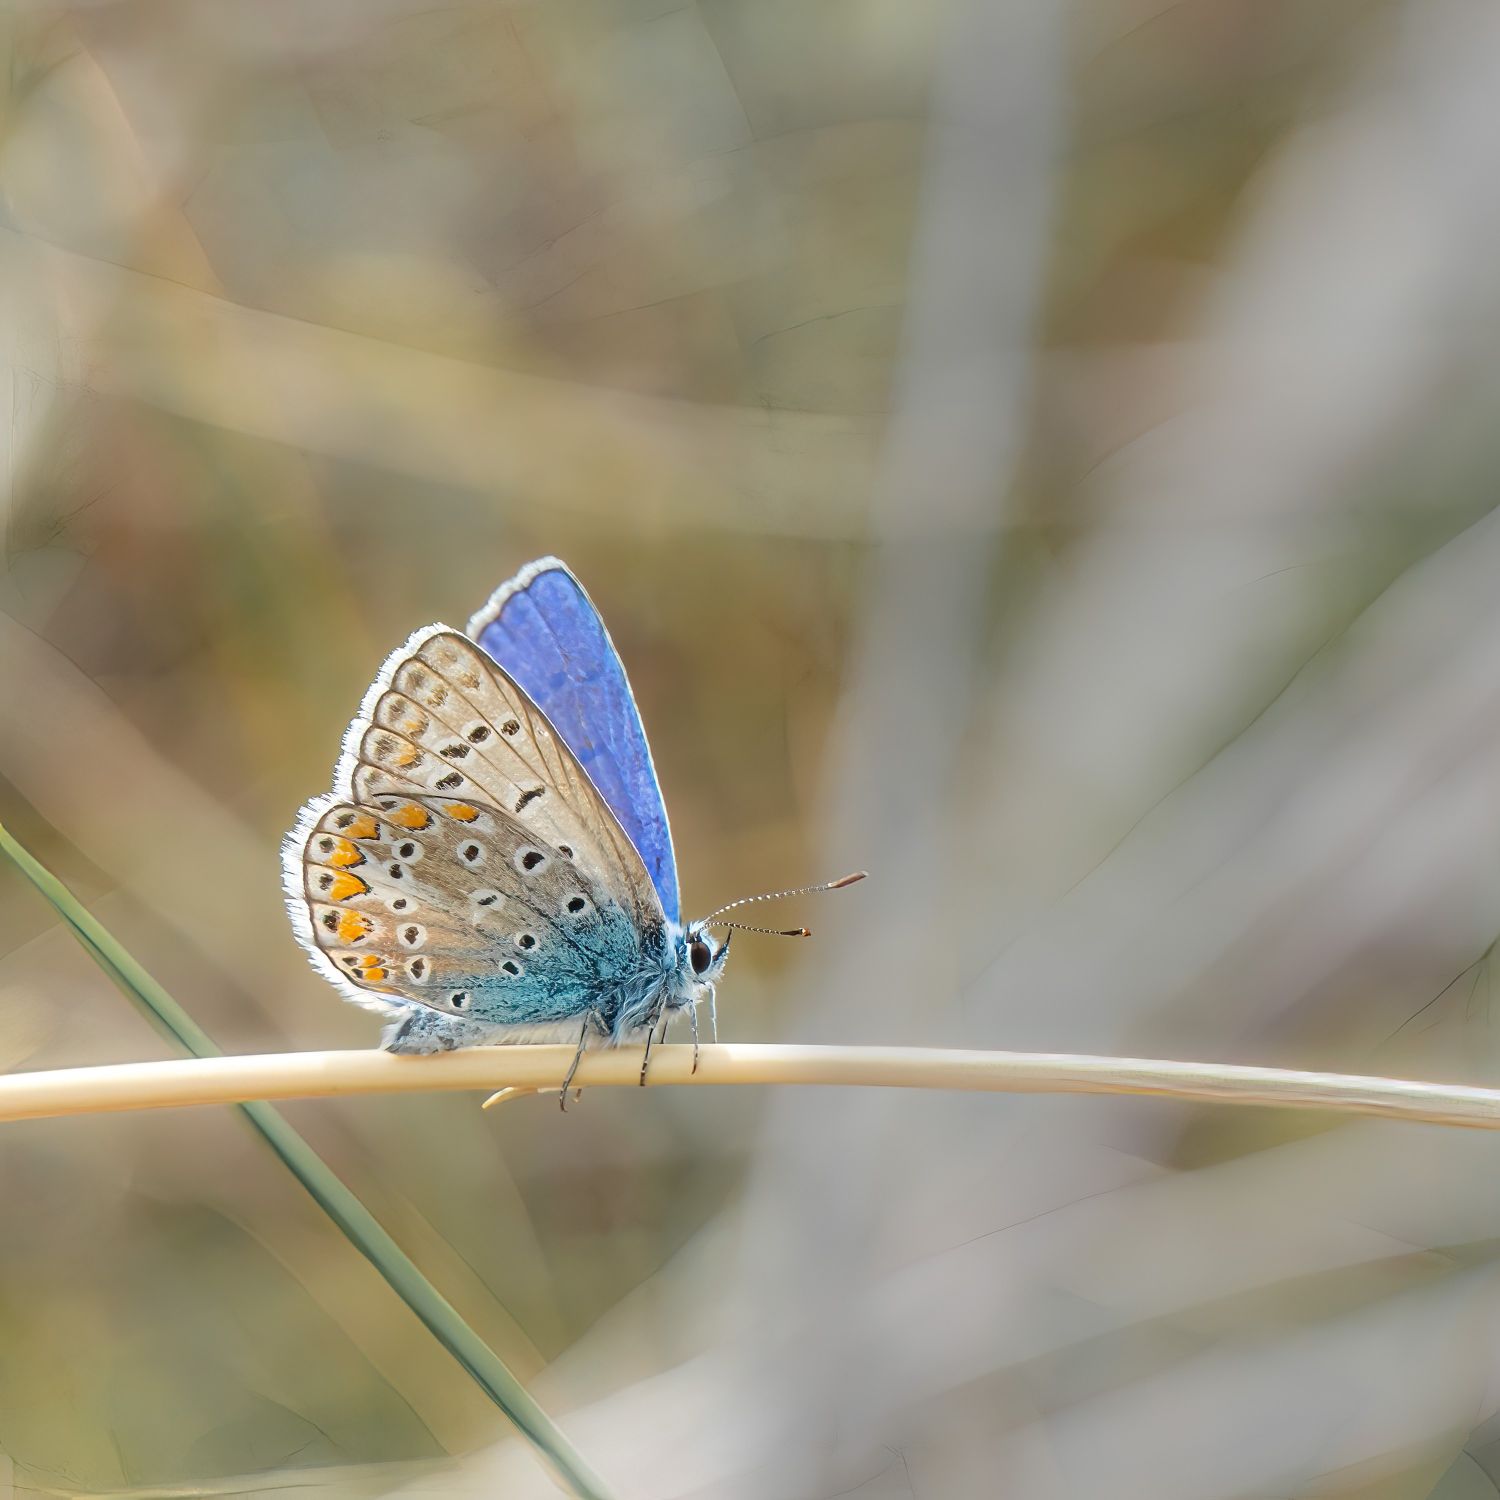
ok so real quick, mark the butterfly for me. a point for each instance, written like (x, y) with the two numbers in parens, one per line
(494, 862)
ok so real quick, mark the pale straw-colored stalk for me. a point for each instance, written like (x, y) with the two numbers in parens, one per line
(539, 1069)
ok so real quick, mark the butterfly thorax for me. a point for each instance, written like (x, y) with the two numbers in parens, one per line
(668, 980)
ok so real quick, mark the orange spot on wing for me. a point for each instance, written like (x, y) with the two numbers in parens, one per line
(352, 927)
(374, 975)
(408, 755)
(363, 827)
(462, 811)
(345, 885)
(344, 854)
(412, 816)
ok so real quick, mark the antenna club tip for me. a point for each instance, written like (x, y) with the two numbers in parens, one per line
(843, 880)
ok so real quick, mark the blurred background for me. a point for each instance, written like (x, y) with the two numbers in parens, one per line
(1044, 454)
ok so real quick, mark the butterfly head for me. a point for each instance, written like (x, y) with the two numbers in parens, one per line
(705, 955)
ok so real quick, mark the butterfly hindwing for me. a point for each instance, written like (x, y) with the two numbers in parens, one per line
(544, 630)
(457, 908)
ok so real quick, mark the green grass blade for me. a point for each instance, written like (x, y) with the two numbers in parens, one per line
(352, 1217)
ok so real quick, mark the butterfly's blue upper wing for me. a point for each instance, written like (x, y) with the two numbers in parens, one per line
(544, 630)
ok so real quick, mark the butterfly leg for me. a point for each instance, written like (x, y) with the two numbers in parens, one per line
(583, 1036)
(650, 1037)
(693, 1017)
(713, 1014)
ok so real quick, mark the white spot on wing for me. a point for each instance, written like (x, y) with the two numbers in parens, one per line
(484, 903)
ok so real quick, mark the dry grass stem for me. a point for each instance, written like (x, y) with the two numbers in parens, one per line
(229, 1080)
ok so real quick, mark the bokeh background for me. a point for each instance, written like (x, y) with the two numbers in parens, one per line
(1046, 454)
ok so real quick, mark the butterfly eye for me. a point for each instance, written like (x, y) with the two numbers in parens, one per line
(701, 955)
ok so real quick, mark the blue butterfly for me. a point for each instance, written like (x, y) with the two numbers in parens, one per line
(494, 862)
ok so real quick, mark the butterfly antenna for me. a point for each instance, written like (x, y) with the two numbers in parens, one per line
(769, 931)
(714, 918)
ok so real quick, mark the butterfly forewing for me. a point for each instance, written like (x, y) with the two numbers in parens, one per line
(449, 722)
